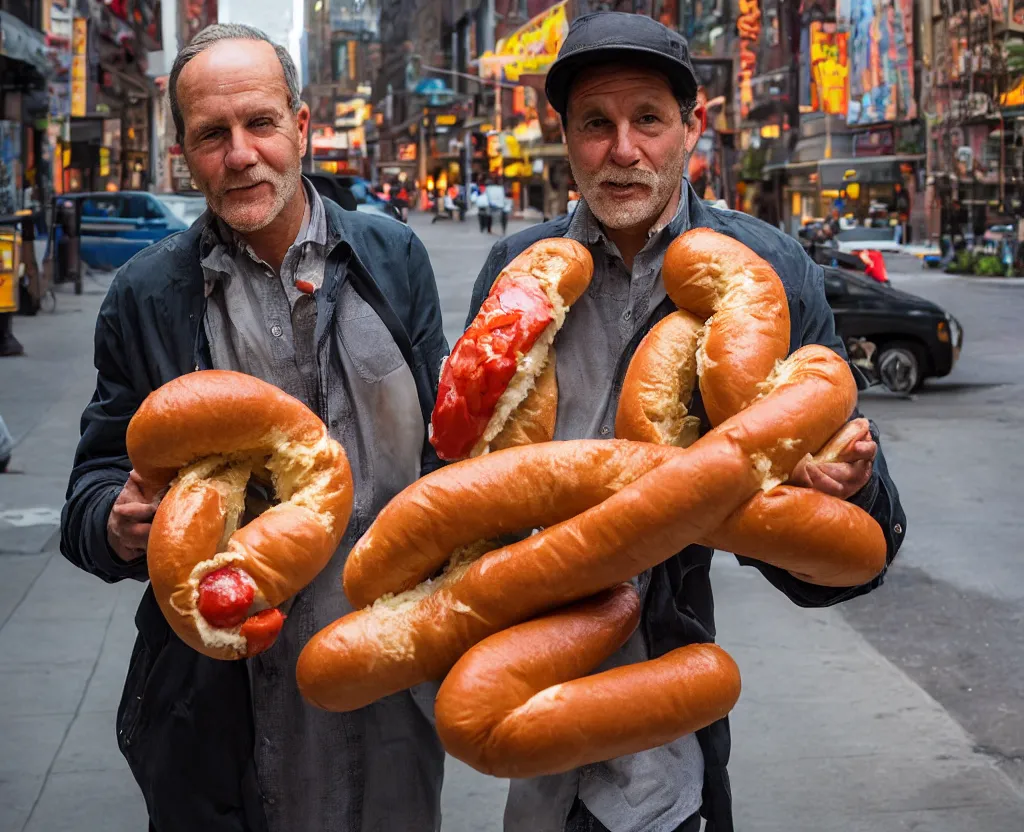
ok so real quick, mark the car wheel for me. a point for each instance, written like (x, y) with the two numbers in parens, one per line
(901, 367)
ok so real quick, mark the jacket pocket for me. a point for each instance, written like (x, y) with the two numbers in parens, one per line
(129, 711)
(370, 347)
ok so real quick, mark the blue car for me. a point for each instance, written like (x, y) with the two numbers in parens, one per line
(118, 225)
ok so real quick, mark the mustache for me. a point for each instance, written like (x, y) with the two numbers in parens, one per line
(629, 176)
(253, 176)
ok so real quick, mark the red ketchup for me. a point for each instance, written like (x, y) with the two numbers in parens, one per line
(260, 630)
(483, 363)
(225, 597)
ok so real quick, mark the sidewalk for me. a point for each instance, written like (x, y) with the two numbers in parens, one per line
(828, 735)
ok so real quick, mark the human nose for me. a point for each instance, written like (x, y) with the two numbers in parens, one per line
(624, 152)
(241, 154)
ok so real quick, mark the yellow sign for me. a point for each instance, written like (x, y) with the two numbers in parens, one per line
(530, 50)
(104, 161)
(79, 70)
(1013, 98)
(830, 70)
(445, 120)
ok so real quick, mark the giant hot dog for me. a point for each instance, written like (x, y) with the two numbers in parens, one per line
(495, 621)
(219, 583)
(497, 388)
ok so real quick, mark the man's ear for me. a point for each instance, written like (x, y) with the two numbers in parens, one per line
(695, 127)
(302, 120)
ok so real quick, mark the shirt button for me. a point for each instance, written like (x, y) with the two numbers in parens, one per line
(898, 529)
(276, 331)
(605, 430)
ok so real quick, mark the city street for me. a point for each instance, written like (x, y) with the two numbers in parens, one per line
(898, 711)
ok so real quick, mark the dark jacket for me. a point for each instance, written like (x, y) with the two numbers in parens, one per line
(679, 608)
(184, 722)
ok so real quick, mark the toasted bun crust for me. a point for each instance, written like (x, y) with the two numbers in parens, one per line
(659, 384)
(208, 430)
(530, 723)
(589, 496)
(561, 264)
(715, 277)
(534, 420)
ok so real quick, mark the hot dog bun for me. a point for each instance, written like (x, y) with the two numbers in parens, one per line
(495, 365)
(208, 430)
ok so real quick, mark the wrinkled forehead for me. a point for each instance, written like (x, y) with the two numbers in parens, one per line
(231, 70)
(605, 83)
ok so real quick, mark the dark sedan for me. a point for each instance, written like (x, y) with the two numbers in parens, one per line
(896, 337)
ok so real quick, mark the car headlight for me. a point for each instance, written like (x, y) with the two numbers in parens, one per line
(954, 330)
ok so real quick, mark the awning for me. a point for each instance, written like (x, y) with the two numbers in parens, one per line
(878, 170)
(20, 42)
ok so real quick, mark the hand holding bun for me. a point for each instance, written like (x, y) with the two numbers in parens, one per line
(730, 335)
(205, 433)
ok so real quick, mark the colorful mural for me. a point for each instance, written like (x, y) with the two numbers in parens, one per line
(881, 61)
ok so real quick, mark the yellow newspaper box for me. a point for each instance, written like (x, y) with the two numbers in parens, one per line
(10, 247)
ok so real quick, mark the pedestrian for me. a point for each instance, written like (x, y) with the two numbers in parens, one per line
(401, 201)
(625, 89)
(506, 211)
(338, 309)
(495, 194)
(483, 206)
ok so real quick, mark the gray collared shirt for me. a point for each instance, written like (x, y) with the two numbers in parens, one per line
(656, 790)
(377, 769)
(260, 322)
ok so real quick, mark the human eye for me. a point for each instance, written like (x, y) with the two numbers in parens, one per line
(648, 119)
(209, 134)
(595, 123)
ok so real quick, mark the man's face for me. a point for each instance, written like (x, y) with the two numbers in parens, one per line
(627, 144)
(242, 142)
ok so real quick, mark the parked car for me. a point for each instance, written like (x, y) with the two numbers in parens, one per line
(334, 187)
(868, 261)
(894, 336)
(186, 207)
(366, 200)
(877, 239)
(116, 226)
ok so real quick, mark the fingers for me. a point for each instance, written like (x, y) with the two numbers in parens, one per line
(136, 490)
(837, 479)
(142, 512)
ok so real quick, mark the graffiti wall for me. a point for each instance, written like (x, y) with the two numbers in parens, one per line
(881, 53)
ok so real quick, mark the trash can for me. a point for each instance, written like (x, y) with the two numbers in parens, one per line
(10, 268)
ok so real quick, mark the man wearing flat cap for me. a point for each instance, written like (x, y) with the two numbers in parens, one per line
(626, 92)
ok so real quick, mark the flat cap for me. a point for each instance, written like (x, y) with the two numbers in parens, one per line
(606, 37)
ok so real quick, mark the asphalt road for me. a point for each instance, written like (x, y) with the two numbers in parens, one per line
(952, 611)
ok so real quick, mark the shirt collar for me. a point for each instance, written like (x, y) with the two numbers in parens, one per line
(586, 228)
(219, 243)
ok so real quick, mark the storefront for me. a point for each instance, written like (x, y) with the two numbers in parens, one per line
(866, 191)
(24, 68)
